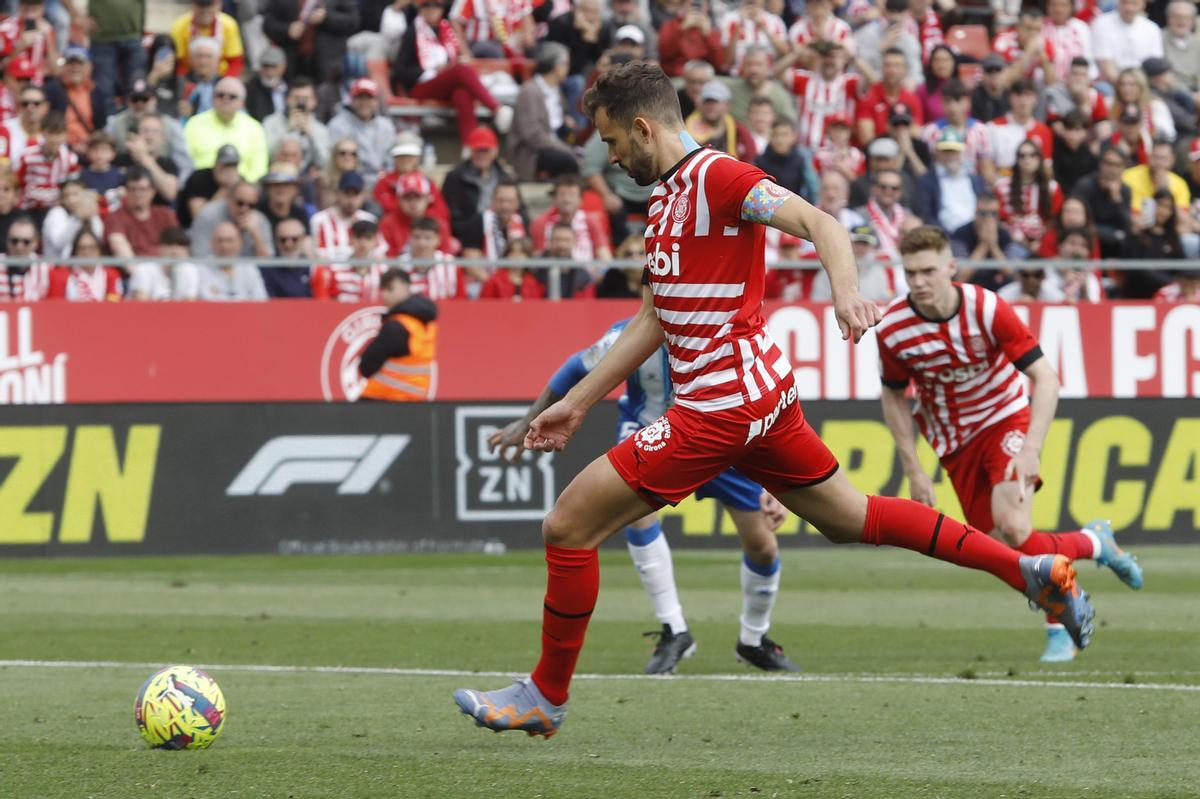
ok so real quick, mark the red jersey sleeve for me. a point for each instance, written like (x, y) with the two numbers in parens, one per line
(322, 283)
(726, 185)
(892, 371)
(1014, 337)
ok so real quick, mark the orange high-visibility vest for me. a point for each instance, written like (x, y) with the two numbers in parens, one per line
(407, 378)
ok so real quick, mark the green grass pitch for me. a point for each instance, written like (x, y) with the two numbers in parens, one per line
(921, 681)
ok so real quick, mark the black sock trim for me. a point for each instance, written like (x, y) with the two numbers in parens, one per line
(562, 615)
(937, 528)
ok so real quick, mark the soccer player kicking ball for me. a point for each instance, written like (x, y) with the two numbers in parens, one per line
(735, 399)
(755, 513)
(964, 348)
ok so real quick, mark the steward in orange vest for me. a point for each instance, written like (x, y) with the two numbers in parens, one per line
(399, 363)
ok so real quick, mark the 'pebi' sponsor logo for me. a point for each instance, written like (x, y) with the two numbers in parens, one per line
(1012, 442)
(340, 379)
(654, 436)
(962, 374)
(661, 264)
(28, 376)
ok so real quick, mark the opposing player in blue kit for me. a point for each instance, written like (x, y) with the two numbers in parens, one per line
(755, 513)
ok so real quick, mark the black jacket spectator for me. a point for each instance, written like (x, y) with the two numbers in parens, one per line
(584, 54)
(392, 341)
(1071, 165)
(258, 99)
(328, 41)
(1111, 217)
(463, 187)
(790, 170)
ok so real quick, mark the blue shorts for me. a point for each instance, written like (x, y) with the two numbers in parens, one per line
(731, 488)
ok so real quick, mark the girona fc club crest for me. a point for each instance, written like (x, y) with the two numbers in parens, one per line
(1012, 442)
(340, 379)
(977, 344)
(683, 207)
(653, 437)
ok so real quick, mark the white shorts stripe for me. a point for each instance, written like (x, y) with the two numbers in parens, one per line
(718, 404)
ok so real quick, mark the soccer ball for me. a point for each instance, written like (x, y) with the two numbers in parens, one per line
(180, 707)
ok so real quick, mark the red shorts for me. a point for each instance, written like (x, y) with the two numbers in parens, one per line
(768, 441)
(979, 466)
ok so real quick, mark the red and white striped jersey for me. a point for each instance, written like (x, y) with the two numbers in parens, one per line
(816, 99)
(1030, 225)
(802, 32)
(706, 268)
(747, 33)
(929, 33)
(347, 284)
(76, 284)
(976, 138)
(964, 369)
(39, 177)
(1173, 292)
(828, 158)
(442, 281)
(888, 228)
(331, 232)
(12, 28)
(1008, 46)
(21, 284)
(490, 20)
(1067, 42)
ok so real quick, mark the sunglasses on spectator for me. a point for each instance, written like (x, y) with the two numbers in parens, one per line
(1037, 275)
(20, 242)
(288, 239)
(1029, 155)
(227, 96)
(242, 203)
(138, 98)
(888, 186)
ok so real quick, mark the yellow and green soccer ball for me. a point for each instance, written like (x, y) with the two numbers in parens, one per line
(180, 707)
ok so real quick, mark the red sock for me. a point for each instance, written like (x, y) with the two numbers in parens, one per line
(572, 585)
(911, 525)
(1075, 545)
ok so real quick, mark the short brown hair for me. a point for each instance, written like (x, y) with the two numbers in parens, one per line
(925, 237)
(636, 89)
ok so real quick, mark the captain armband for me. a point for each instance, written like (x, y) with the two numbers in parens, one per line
(763, 201)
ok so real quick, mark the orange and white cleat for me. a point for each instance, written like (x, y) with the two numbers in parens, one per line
(520, 706)
(1050, 585)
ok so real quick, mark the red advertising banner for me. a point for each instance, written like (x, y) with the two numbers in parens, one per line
(302, 350)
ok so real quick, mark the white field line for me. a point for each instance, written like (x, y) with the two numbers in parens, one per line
(886, 679)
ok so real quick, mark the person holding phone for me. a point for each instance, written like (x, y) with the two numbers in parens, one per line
(689, 36)
(114, 28)
(29, 36)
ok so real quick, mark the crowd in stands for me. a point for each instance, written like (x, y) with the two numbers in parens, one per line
(309, 129)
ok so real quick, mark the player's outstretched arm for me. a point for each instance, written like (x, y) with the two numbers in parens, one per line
(900, 423)
(768, 203)
(1025, 466)
(551, 430)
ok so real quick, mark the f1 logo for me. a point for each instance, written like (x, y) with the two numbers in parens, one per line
(355, 463)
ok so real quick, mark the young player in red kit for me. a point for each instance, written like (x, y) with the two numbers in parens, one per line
(735, 400)
(965, 349)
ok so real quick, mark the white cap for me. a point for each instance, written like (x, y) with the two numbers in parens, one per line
(630, 32)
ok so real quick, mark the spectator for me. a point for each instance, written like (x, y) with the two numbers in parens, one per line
(834, 197)
(1133, 134)
(266, 91)
(331, 227)
(750, 24)
(142, 101)
(625, 283)
(990, 99)
(1072, 215)
(174, 278)
(1192, 176)
(230, 279)
(837, 154)
(468, 187)
(87, 282)
(879, 103)
(73, 93)
(884, 153)
(198, 86)
(1019, 125)
(78, 208)
(45, 164)
(26, 128)
(374, 133)
(101, 176)
(515, 282)
(312, 33)
(352, 282)
(875, 281)
(146, 146)
(977, 157)
(928, 25)
(163, 80)
(884, 213)
(495, 28)
(827, 91)
(1073, 157)
(281, 198)
(696, 75)
(915, 158)
(1124, 38)
(943, 68)
(137, 227)
(984, 239)
(1031, 285)
(1146, 180)
(114, 29)
(239, 208)
(289, 150)
(227, 123)
(1078, 284)
(406, 160)
(534, 146)
(1068, 38)
(299, 119)
(690, 36)
(8, 203)
(1109, 200)
(489, 234)
(415, 200)
(207, 21)
(586, 35)
(1157, 238)
(590, 241)
(819, 23)
(23, 283)
(1076, 93)
(1181, 44)
(759, 119)
(1184, 288)
(573, 282)
(624, 13)
(713, 125)
(209, 184)
(291, 241)
(789, 163)
(755, 83)
(407, 344)
(1027, 50)
(431, 66)
(947, 193)
(343, 159)
(29, 37)
(18, 73)
(894, 29)
(1179, 104)
(380, 38)
(1029, 198)
(441, 280)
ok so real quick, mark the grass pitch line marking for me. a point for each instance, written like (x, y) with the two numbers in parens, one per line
(891, 679)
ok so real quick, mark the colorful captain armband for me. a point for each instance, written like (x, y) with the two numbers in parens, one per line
(763, 201)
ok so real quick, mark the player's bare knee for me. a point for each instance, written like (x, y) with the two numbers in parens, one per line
(1013, 531)
(556, 530)
(761, 549)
